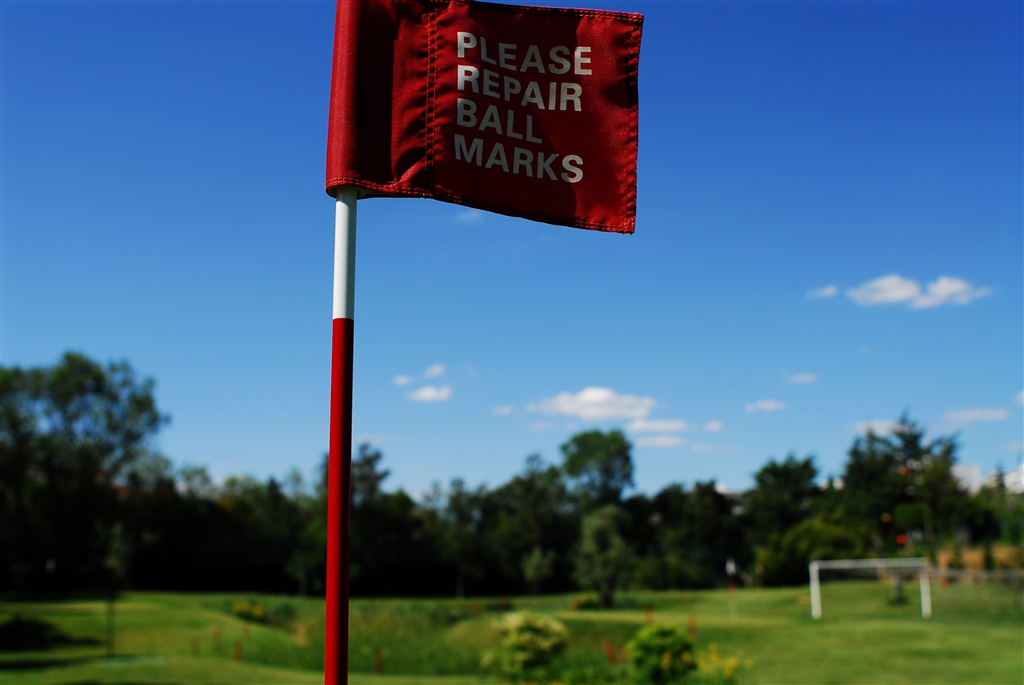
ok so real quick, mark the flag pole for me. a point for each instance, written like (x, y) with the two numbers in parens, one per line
(339, 467)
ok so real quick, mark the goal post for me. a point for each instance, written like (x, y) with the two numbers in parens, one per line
(919, 565)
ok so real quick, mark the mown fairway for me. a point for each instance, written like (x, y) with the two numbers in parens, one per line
(976, 636)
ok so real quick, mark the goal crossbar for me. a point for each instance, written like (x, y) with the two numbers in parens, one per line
(916, 564)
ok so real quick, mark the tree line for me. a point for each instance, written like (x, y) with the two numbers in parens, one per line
(86, 505)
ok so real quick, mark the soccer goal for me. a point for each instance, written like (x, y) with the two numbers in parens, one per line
(917, 565)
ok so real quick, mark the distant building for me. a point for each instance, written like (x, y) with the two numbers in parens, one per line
(968, 476)
(1013, 481)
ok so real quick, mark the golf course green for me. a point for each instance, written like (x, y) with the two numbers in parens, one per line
(975, 636)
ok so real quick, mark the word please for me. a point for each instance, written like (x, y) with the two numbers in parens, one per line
(558, 56)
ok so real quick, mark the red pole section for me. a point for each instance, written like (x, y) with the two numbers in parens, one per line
(339, 466)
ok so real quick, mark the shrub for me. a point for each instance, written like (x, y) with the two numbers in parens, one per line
(661, 654)
(529, 642)
(670, 573)
(785, 560)
(275, 614)
(714, 670)
(585, 601)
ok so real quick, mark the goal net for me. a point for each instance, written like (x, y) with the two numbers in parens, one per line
(994, 593)
(895, 569)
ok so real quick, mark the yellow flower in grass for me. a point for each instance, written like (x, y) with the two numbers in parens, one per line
(666, 661)
(749, 663)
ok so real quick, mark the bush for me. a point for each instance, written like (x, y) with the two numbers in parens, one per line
(714, 670)
(670, 573)
(529, 642)
(585, 601)
(785, 560)
(661, 654)
(276, 614)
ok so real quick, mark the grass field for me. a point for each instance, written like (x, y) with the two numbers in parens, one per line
(976, 636)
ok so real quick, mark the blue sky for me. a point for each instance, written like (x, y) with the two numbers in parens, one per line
(829, 233)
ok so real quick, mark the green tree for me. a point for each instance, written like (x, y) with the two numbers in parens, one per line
(604, 560)
(532, 510)
(366, 476)
(460, 531)
(708, 533)
(537, 567)
(785, 560)
(69, 435)
(599, 465)
(887, 479)
(783, 496)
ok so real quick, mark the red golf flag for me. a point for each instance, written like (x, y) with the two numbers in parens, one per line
(526, 111)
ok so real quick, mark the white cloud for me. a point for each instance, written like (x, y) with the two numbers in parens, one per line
(595, 404)
(702, 447)
(827, 291)
(965, 417)
(948, 290)
(877, 426)
(765, 405)
(434, 371)
(800, 378)
(541, 426)
(401, 380)
(657, 426)
(885, 290)
(468, 216)
(504, 410)
(431, 393)
(372, 438)
(1020, 399)
(894, 289)
(1015, 447)
(661, 441)
(713, 426)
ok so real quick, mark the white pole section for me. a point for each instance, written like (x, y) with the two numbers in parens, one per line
(339, 461)
(926, 595)
(345, 254)
(815, 592)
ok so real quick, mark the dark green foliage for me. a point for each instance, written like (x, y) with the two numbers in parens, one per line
(32, 634)
(599, 465)
(886, 474)
(782, 497)
(671, 573)
(86, 504)
(785, 560)
(604, 560)
(685, 536)
(661, 654)
(537, 567)
(71, 436)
